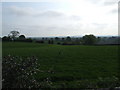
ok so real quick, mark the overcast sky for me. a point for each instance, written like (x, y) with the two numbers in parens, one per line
(61, 17)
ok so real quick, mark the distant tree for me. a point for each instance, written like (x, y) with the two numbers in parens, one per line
(63, 39)
(41, 41)
(51, 38)
(77, 41)
(46, 38)
(5, 38)
(28, 40)
(43, 38)
(98, 39)
(56, 38)
(68, 38)
(13, 34)
(58, 43)
(89, 39)
(50, 41)
(81, 40)
(22, 37)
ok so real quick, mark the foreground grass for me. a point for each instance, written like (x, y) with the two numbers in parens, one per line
(70, 66)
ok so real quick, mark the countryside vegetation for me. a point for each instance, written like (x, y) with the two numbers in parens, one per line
(60, 62)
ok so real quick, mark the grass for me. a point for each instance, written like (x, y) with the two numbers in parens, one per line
(71, 64)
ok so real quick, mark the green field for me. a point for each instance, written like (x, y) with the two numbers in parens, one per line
(71, 64)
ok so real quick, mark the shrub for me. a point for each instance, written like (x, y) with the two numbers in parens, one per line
(28, 40)
(18, 72)
(5, 38)
(89, 39)
(41, 41)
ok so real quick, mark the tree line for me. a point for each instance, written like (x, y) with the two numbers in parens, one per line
(15, 36)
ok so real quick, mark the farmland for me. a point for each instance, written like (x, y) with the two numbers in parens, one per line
(71, 64)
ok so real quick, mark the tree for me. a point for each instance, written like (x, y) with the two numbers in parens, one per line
(41, 41)
(98, 39)
(13, 34)
(50, 41)
(63, 39)
(22, 37)
(5, 38)
(89, 39)
(28, 40)
(43, 38)
(68, 38)
(56, 38)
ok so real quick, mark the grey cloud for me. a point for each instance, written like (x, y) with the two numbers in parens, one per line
(49, 14)
(38, 31)
(109, 3)
(44, 15)
(101, 26)
(20, 11)
(104, 2)
(97, 24)
(114, 11)
(27, 11)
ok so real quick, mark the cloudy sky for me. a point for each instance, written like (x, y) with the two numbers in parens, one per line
(61, 17)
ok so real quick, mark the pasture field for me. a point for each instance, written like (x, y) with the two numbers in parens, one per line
(71, 64)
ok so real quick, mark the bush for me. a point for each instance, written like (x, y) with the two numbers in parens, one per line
(5, 38)
(17, 72)
(41, 41)
(20, 72)
(58, 43)
(67, 43)
(28, 40)
(89, 39)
